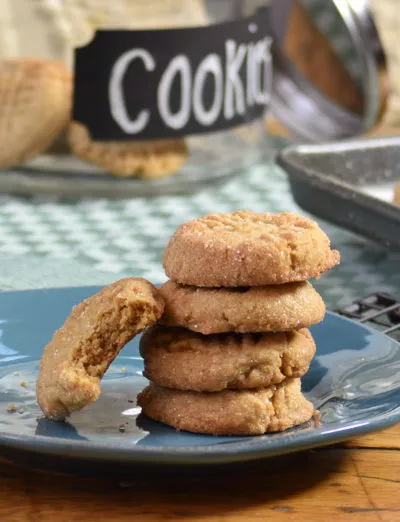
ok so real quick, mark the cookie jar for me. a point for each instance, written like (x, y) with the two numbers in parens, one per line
(166, 95)
(154, 97)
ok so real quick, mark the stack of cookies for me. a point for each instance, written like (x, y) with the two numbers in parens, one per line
(227, 355)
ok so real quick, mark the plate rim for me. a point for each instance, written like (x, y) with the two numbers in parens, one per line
(238, 451)
(250, 448)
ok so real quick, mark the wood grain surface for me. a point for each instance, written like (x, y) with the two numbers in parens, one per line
(357, 481)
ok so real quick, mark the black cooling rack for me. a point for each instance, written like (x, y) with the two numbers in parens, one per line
(379, 310)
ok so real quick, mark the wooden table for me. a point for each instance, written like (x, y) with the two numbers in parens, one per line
(358, 481)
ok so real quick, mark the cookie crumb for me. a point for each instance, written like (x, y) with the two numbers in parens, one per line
(282, 508)
(122, 429)
(317, 418)
(123, 370)
(24, 384)
(11, 408)
(16, 373)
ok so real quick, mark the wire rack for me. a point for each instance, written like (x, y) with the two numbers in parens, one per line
(380, 310)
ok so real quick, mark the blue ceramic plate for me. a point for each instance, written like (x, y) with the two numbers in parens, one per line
(354, 381)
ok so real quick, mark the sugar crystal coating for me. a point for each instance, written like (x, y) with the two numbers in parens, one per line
(248, 249)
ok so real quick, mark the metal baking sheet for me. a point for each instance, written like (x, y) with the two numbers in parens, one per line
(349, 183)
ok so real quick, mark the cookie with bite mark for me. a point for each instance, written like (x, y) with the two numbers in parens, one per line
(75, 360)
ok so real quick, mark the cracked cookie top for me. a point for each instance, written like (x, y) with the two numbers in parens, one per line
(244, 248)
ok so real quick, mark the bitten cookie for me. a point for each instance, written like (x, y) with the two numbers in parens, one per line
(275, 308)
(248, 249)
(146, 159)
(243, 412)
(181, 359)
(80, 352)
(35, 106)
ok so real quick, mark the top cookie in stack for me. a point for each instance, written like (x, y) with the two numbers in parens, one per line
(248, 249)
(239, 281)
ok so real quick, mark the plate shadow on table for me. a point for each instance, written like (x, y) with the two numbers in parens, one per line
(186, 491)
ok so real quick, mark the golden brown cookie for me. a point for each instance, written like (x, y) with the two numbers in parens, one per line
(181, 359)
(80, 352)
(35, 106)
(146, 159)
(396, 198)
(275, 308)
(248, 249)
(239, 412)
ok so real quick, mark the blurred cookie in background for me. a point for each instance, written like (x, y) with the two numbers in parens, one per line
(35, 106)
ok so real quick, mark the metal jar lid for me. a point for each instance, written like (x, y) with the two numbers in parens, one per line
(301, 106)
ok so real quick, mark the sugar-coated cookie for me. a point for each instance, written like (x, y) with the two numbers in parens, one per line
(35, 106)
(181, 359)
(238, 412)
(274, 308)
(248, 249)
(80, 352)
(145, 159)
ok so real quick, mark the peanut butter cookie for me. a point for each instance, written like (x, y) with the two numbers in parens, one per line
(248, 249)
(275, 308)
(243, 412)
(35, 106)
(80, 352)
(181, 359)
(146, 159)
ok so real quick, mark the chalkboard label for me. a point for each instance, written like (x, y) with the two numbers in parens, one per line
(154, 84)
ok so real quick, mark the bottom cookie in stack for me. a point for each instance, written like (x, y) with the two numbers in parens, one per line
(229, 412)
(226, 384)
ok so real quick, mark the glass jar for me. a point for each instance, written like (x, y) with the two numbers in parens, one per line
(94, 159)
(330, 75)
(165, 96)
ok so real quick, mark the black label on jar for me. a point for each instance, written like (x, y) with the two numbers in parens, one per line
(135, 85)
